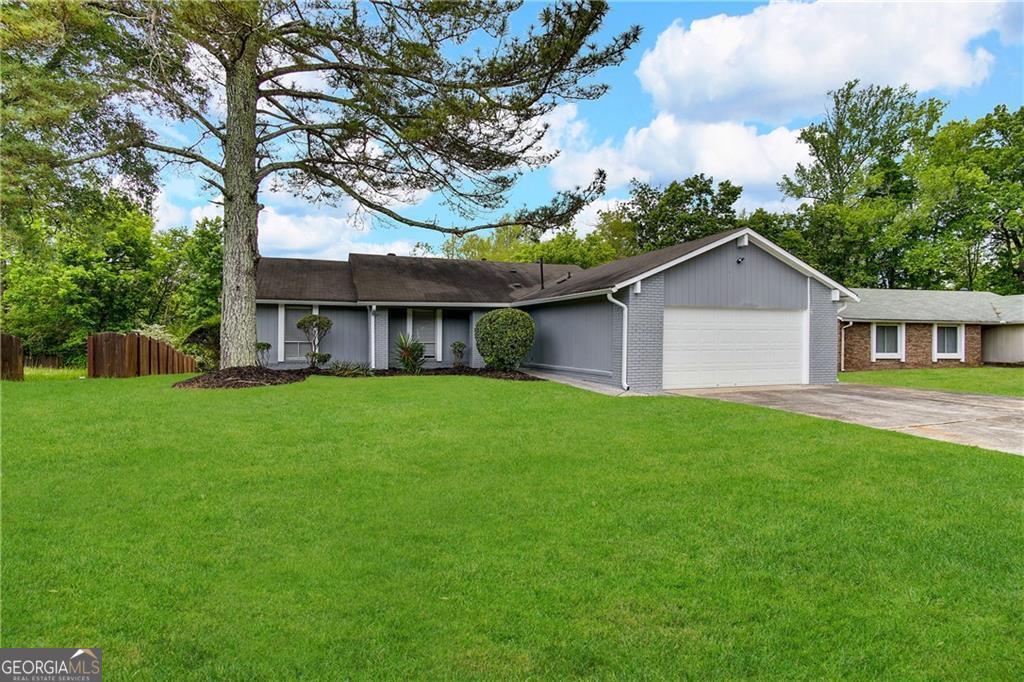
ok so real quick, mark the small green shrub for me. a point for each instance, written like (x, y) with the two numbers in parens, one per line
(350, 369)
(315, 327)
(203, 343)
(504, 337)
(410, 354)
(458, 352)
(262, 353)
(317, 359)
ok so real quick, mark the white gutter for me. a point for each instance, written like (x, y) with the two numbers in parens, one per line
(373, 336)
(842, 339)
(625, 336)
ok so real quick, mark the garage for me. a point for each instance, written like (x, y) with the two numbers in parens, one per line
(707, 347)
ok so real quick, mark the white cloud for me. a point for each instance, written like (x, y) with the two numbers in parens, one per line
(320, 235)
(587, 219)
(671, 149)
(167, 214)
(214, 209)
(779, 60)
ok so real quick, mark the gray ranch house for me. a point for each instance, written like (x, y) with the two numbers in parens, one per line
(730, 309)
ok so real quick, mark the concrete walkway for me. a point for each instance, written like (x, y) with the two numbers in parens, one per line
(593, 386)
(988, 421)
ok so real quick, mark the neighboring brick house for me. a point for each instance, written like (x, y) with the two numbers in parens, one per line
(901, 328)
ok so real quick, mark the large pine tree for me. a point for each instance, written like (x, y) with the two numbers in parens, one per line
(370, 101)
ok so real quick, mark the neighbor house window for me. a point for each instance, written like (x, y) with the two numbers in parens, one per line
(295, 344)
(948, 342)
(887, 341)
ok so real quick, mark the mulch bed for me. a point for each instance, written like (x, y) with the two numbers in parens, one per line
(514, 375)
(244, 377)
(247, 377)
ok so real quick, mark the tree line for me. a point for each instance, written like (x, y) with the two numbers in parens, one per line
(95, 263)
(890, 199)
(373, 103)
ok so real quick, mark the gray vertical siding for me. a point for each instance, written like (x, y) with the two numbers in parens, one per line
(715, 280)
(824, 335)
(266, 329)
(475, 359)
(455, 327)
(396, 326)
(573, 337)
(349, 338)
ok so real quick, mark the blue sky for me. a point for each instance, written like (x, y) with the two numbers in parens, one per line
(718, 88)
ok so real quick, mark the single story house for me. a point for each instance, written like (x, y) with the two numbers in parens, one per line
(730, 309)
(903, 328)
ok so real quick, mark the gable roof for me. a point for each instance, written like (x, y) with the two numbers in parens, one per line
(404, 279)
(409, 279)
(617, 274)
(915, 305)
(304, 279)
(609, 275)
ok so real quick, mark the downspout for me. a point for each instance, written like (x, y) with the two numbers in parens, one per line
(842, 339)
(625, 336)
(373, 336)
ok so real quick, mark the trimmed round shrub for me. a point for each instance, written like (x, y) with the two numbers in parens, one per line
(504, 337)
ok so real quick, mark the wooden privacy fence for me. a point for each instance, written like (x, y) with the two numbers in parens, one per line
(45, 361)
(134, 355)
(12, 358)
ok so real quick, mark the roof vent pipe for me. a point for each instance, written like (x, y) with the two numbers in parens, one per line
(542, 272)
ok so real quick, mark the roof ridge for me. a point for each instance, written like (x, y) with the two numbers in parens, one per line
(462, 260)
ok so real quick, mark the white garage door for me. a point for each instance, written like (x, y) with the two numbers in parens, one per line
(726, 347)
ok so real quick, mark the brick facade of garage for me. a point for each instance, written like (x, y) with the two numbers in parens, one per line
(918, 348)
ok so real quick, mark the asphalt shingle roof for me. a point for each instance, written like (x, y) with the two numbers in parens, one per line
(408, 279)
(445, 280)
(303, 279)
(1011, 309)
(608, 275)
(913, 305)
(400, 279)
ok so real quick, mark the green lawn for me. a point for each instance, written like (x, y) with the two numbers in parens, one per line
(462, 527)
(58, 374)
(992, 380)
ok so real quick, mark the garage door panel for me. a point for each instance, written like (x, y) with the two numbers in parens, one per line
(726, 347)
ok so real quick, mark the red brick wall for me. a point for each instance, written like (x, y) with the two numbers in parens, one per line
(918, 348)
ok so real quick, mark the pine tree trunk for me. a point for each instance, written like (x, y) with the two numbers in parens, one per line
(241, 211)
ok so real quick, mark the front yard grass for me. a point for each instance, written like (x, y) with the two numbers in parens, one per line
(461, 527)
(991, 380)
(55, 373)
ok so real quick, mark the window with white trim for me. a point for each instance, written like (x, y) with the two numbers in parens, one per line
(295, 344)
(425, 331)
(887, 341)
(948, 342)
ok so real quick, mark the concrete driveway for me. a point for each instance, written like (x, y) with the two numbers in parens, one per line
(988, 421)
